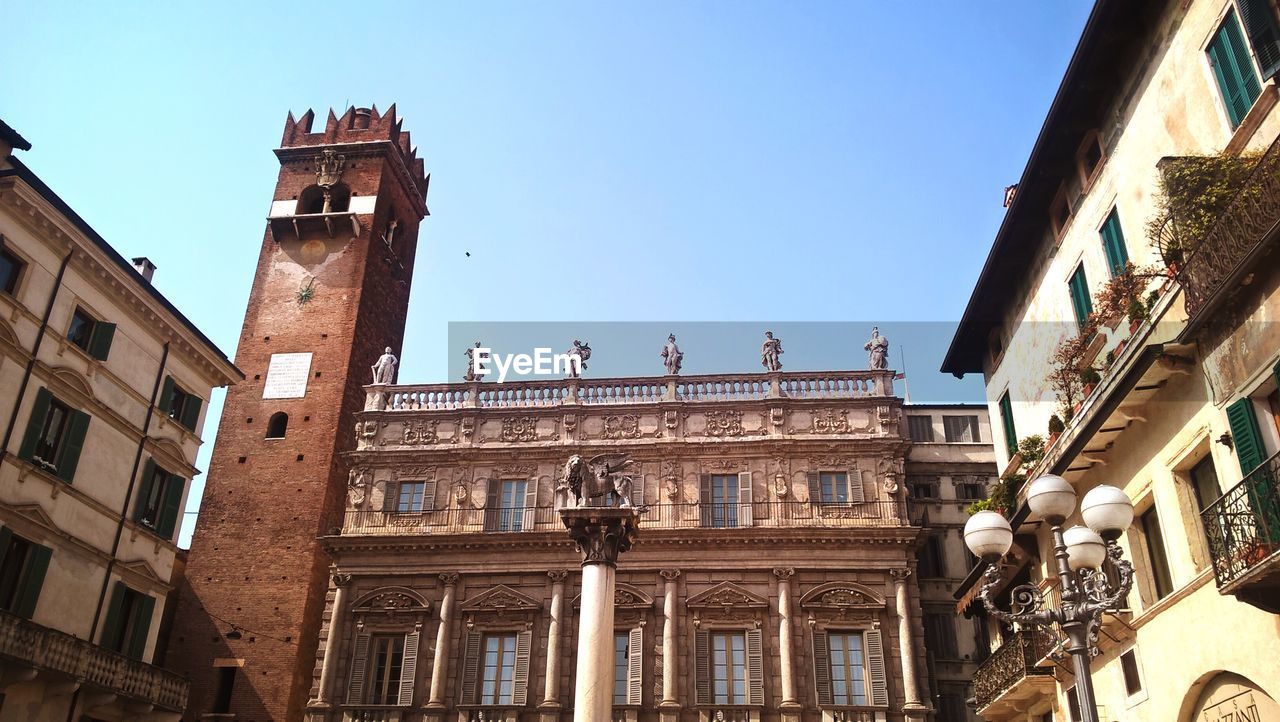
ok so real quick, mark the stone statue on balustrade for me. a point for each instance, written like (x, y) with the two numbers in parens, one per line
(471, 374)
(770, 351)
(877, 350)
(580, 351)
(597, 477)
(672, 356)
(384, 372)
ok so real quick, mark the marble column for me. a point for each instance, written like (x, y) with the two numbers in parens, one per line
(913, 708)
(602, 534)
(550, 707)
(341, 583)
(439, 674)
(669, 705)
(789, 706)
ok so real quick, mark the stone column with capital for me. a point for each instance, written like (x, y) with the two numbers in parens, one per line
(913, 707)
(341, 583)
(669, 705)
(790, 707)
(549, 709)
(436, 706)
(602, 534)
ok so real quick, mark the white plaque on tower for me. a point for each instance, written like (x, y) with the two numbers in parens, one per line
(287, 376)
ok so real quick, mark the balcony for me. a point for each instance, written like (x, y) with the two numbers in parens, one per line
(1243, 529)
(516, 520)
(28, 645)
(311, 225)
(372, 714)
(1010, 677)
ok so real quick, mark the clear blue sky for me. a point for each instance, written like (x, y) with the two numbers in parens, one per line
(706, 161)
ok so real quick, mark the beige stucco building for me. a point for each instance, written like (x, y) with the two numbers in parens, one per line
(104, 385)
(1160, 150)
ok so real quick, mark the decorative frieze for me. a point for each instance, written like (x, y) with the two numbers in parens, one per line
(420, 432)
(724, 423)
(624, 426)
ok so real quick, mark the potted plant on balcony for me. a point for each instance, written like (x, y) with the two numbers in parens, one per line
(1089, 379)
(1056, 427)
(1194, 192)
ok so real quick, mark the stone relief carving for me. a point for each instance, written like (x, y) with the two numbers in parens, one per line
(712, 465)
(570, 425)
(357, 488)
(670, 475)
(384, 371)
(461, 489)
(770, 351)
(329, 167)
(595, 477)
(724, 423)
(624, 426)
(781, 488)
(877, 350)
(420, 432)
(831, 421)
(366, 431)
(889, 470)
(672, 356)
(516, 470)
(778, 418)
(671, 419)
(468, 426)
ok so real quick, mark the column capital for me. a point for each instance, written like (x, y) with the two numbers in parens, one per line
(900, 575)
(601, 533)
(670, 574)
(784, 573)
(449, 579)
(340, 579)
(558, 575)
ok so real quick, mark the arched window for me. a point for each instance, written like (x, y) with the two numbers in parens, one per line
(277, 425)
(311, 200)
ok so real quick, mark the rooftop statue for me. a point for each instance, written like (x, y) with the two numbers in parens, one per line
(384, 372)
(770, 350)
(877, 350)
(471, 374)
(672, 356)
(582, 352)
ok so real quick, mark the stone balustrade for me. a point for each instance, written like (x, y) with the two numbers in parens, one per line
(371, 714)
(47, 649)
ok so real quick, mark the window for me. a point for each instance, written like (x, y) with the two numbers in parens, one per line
(387, 657)
(1089, 157)
(55, 434)
(621, 666)
(1060, 212)
(920, 428)
(1204, 481)
(931, 563)
(1161, 580)
(1129, 667)
(848, 671)
(277, 425)
(159, 500)
(848, 668)
(923, 487)
(506, 509)
(91, 335)
(222, 693)
(1073, 705)
(1113, 244)
(940, 634)
(835, 487)
(411, 497)
(1233, 69)
(497, 680)
(128, 621)
(721, 495)
(969, 489)
(951, 705)
(180, 405)
(22, 568)
(10, 270)
(960, 429)
(1006, 419)
(1264, 35)
(1081, 302)
(729, 667)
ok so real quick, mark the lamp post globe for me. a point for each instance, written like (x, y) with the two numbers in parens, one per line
(1051, 498)
(1107, 510)
(1085, 549)
(988, 535)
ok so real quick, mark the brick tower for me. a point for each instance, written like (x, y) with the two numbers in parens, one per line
(330, 292)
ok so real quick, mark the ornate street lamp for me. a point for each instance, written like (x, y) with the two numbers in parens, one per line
(1080, 552)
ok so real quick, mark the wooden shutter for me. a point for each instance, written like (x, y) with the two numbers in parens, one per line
(637, 490)
(755, 667)
(191, 412)
(704, 500)
(35, 424)
(391, 496)
(702, 666)
(530, 504)
(170, 505)
(429, 495)
(1233, 69)
(1245, 436)
(100, 339)
(1264, 35)
(875, 668)
(359, 665)
(1113, 244)
(492, 504)
(744, 499)
(524, 648)
(822, 667)
(635, 664)
(72, 442)
(142, 611)
(112, 629)
(409, 667)
(471, 667)
(1080, 300)
(815, 487)
(857, 494)
(32, 580)
(144, 489)
(166, 395)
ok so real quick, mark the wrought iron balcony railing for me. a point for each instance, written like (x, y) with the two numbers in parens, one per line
(1243, 526)
(39, 647)
(1013, 662)
(764, 515)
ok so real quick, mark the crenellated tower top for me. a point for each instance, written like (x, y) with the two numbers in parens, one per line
(358, 125)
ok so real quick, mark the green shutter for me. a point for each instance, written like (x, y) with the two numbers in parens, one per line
(1245, 435)
(1264, 34)
(1113, 244)
(1006, 418)
(112, 628)
(35, 424)
(72, 443)
(1080, 300)
(142, 611)
(32, 580)
(170, 505)
(144, 489)
(1233, 69)
(1275, 371)
(191, 412)
(166, 395)
(100, 340)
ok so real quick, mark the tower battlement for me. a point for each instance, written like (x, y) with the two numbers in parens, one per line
(356, 125)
